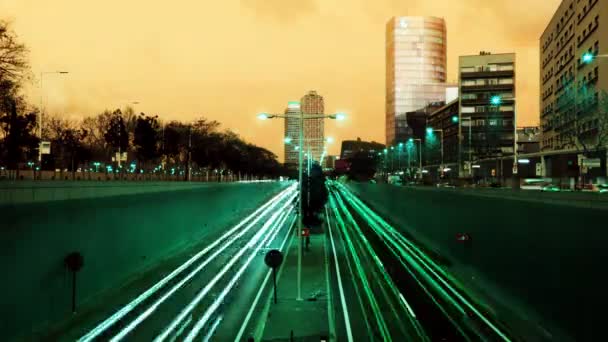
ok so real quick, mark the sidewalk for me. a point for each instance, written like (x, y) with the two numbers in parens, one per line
(308, 319)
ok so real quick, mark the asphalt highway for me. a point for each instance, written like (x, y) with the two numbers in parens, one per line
(209, 295)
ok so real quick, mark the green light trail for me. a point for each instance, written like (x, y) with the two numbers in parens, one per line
(366, 285)
(409, 252)
(408, 264)
(421, 335)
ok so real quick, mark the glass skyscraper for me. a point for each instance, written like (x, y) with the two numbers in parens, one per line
(415, 69)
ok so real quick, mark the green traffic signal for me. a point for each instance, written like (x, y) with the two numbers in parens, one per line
(455, 119)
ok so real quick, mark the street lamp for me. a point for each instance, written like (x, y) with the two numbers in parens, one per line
(587, 57)
(430, 130)
(300, 116)
(42, 74)
(412, 140)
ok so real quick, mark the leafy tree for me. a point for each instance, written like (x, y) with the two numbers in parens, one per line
(146, 138)
(96, 127)
(116, 135)
(74, 151)
(20, 142)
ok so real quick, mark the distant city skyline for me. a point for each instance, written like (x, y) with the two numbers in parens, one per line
(200, 64)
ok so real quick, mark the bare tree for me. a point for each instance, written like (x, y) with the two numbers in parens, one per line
(13, 56)
(583, 118)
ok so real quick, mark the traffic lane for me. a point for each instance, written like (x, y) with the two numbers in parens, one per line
(432, 311)
(120, 237)
(211, 284)
(94, 313)
(534, 253)
(241, 299)
(247, 226)
(357, 306)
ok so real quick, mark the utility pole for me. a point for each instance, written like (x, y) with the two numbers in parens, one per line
(189, 171)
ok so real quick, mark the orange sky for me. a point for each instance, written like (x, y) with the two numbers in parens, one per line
(230, 59)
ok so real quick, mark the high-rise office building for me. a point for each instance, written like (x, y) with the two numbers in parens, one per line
(314, 138)
(487, 104)
(292, 133)
(573, 75)
(415, 70)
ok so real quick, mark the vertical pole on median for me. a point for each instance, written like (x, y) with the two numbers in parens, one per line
(300, 213)
(274, 278)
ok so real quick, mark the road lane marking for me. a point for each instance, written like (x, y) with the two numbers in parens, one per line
(349, 333)
(103, 326)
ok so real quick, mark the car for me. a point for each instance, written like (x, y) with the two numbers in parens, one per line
(550, 188)
(445, 185)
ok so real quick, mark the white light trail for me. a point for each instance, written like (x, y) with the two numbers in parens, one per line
(103, 326)
(218, 301)
(188, 309)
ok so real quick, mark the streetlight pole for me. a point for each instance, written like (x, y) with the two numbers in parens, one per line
(42, 108)
(420, 154)
(337, 116)
(430, 130)
(470, 120)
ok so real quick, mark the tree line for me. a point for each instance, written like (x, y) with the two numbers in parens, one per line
(151, 145)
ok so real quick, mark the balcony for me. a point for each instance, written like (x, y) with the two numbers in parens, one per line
(487, 87)
(487, 74)
(485, 102)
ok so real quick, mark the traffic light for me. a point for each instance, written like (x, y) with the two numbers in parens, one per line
(495, 100)
(429, 130)
(455, 119)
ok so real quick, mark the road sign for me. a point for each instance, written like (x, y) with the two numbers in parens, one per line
(514, 169)
(45, 147)
(539, 169)
(273, 259)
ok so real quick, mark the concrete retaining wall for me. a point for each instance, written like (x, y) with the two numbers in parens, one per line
(550, 257)
(119, 236)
